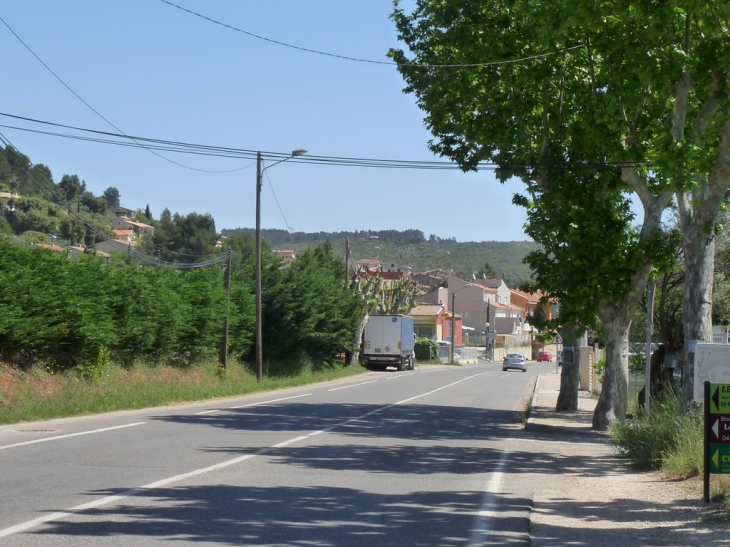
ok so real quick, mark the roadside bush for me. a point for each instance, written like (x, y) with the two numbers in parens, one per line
(637, 363)
(685, 459)
(426, 350)
(5, 228)
(649, 438)
(600, 368)
(94, 367)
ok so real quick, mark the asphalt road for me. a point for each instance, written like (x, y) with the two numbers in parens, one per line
(420, 458)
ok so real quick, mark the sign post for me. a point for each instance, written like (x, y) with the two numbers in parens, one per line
(717, 432)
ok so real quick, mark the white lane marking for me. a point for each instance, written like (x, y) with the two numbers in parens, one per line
(57, 437)
(24, 526)
(273, 401)
(352, 385)
(481, 530)
(400, 376)
(440, 388)
(252, 404)
(386, 407)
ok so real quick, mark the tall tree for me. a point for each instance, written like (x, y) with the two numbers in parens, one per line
(486, 271)
(71, 187)
(112, 197)
(73, 229)
(39, 181)
(379, 296)
(539, 120)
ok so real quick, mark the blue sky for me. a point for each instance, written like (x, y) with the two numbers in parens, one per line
(156, 71)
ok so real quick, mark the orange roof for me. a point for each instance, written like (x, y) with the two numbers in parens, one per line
(56, 248)
(124, 232)
(427, 309)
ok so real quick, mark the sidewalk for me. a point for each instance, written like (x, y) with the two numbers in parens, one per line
(588, 496)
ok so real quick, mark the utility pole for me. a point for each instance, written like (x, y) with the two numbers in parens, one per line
(259, 182)
(258, 342)
(223, 355)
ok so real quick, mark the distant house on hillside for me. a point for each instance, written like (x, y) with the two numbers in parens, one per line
(427, 280)
(123, 212)
(126, 223)
(369, 264)
(51, 247)
(124, 235)
(76, 250)
(115, 245)
(393, 267)
(287, 255)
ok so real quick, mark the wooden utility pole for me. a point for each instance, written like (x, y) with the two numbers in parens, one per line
(223, 354)
(258, 341)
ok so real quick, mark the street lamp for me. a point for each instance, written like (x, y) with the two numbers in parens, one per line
(259, 182)
(347, 255)
(453, 320)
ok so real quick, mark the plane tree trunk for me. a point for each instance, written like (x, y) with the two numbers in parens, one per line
(569, 377)
(613, 401)
(698, 245)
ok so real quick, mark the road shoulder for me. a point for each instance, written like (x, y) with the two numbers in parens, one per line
(585, 495)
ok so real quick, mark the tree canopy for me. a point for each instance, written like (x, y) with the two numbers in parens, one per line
(539, 84)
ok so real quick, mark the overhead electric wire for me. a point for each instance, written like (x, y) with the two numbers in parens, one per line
(216, 259)
(241, 153)
(219, 151)
(369, 61)
(286, 223)
(57, 77)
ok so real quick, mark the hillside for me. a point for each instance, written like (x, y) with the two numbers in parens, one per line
(410, 248)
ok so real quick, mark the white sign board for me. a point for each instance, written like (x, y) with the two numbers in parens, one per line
(712, 363)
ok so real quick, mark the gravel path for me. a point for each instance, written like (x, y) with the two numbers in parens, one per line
(588, 496)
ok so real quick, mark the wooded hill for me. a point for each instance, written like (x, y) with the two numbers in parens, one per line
(43, 207)
(412, 248)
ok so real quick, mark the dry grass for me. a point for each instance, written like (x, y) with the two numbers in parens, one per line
(40, 395)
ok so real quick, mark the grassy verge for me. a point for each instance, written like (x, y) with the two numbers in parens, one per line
(667, 440)
(41, 395)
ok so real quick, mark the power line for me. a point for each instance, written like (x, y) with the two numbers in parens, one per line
(286, 222)
(358, 60)
(216, 259)
(243, 153)
(64, 84)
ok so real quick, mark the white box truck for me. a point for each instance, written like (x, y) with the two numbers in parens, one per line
(388, 341)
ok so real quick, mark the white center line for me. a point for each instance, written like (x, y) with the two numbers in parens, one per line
(352, 385)
(273, 400)
(252, 404)
(177, 478)
(57, 437)
(400, 376)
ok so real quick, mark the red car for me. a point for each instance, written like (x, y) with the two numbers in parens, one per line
(544, 356)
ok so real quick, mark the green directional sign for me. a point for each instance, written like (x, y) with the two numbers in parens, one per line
(720, 458)
(720, 398)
